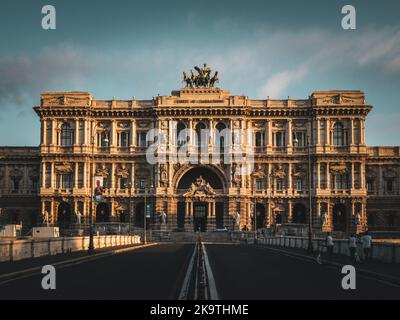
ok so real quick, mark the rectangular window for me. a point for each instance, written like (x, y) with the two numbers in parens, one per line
(142, 139)
(299, 139)
(123, 183)
(142, 183)
(280, 139)
(102, 139)
(123, 139)
(370, 186)
(299, 184)
(389, 185)
(259, 184)
(258, 139)
(67, 181)
(279, 185)
(80, 175)
(48, 175)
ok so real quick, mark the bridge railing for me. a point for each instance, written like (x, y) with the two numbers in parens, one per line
(383, 251)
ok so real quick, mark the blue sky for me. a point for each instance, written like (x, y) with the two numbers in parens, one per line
(140, 48)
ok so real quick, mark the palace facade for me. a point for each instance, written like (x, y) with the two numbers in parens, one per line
(353, 187)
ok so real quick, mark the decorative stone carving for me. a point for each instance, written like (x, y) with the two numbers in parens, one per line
(299, 170)
(235, 175)
(338, 168)
(63, 168)
(279, 171)
(123, 125)
(389, 173)
(16, 173)
(102, 170)
(258, 173)
(200, 189)
(163, 175)
(122, 171)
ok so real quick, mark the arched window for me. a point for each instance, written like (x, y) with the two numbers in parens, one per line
(338, 134)
(221, 135)
(67, 135)
(199, 132)
(181, 137)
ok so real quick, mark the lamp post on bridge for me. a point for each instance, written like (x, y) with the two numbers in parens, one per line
(92, 189)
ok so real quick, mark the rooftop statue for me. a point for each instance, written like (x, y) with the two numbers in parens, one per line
(202, 79)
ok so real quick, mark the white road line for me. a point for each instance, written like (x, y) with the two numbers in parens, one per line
(210, 277)
(186, 282)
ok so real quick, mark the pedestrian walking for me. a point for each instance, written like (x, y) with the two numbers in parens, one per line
(329, 246)
(353, 248)
(366, 241)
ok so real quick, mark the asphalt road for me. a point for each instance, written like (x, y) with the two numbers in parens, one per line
(245, 272)
(157, 273)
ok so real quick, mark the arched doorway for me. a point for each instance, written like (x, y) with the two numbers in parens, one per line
(260, 214)
(139, 215)
(64, 217)
(299, 213)
(339, 217)
(103, 212)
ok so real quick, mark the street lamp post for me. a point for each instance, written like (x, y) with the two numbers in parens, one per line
(91, 230)
(130, 208)
(296, 142)
(145, 216)
(255, 219)
(310, 245)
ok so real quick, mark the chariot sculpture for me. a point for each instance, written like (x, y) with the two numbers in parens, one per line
(203, 77)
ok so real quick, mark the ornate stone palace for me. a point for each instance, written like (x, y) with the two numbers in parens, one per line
(353, 187)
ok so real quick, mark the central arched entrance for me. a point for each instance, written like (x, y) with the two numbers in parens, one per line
(200, 186)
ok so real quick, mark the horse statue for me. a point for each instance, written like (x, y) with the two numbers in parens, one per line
(188, 81)
(202, 79)
(193, 78)
(214, 79)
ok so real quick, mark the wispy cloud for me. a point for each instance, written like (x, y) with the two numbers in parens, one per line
(271, 62)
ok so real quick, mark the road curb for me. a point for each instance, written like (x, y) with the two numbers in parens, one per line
(65, 263)
(371, 274)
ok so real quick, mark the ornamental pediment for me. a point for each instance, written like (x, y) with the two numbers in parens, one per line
(389, 174)
(338, 168)
(279, 171)
(102, 171)
(299, 170)
(65, 99)
(63, 168)
(122, 171)
(200, 189)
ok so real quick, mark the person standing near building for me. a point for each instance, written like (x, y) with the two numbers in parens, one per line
(366, 240)
(353, 247)
(329, 246)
